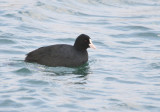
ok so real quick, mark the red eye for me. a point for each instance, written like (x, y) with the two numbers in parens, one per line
(85, 40)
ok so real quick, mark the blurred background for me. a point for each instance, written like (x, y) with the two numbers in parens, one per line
(122, 74)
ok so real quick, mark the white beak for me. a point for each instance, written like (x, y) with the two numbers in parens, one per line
(91, 44)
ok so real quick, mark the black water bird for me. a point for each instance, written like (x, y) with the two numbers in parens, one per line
(63, 54)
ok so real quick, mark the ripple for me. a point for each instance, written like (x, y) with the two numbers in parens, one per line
(129, 28)
(11, 52)
(136, 58)
(143, 28)
(7, 35)
(61, 71)
(65, 40)
(34, 82)
(72, 105)
(148, 35)
(150, 107)
(130, 42)
(6, 41)
(23, 71)
(38, 102)
(102, 44)
(122, 81)
(114, 100)
(155, 65)
(30, 29)
(26, 98)
(10, 103)
(152, 98)
(12, 16)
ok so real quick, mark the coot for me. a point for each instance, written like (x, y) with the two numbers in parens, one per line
(63, 54)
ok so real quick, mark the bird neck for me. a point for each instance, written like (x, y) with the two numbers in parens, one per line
(79, 47)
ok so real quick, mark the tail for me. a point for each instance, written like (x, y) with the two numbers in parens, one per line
(30, 58)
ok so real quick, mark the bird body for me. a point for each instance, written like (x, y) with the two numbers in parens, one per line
(58, 55)
(62, 54)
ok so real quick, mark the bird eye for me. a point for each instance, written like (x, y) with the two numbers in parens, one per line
(85, 40)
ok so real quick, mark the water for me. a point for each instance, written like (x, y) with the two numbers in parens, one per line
(122, 75)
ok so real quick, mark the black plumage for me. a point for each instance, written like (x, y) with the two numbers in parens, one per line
(62, 54)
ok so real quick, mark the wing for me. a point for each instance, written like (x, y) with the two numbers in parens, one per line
(55, 55)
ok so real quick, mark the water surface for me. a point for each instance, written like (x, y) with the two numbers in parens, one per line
(122, 75)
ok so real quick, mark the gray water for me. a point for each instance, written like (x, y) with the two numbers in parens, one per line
(122, 74)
